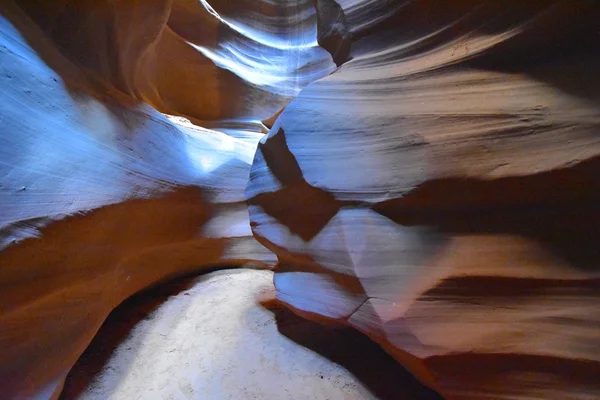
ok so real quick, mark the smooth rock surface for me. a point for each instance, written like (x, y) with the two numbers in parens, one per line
(210, 60)
(439, 192)
(101, 196)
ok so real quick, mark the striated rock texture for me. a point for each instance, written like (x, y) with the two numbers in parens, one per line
(439, 192)
(207, 60)
(435, 186)
(101, 196)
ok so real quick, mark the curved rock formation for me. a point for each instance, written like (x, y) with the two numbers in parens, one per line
(101, 196)
(207, 60)
(439, 192)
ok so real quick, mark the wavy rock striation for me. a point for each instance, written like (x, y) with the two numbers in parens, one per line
(101, 196)
(207, 60)
(439, 193)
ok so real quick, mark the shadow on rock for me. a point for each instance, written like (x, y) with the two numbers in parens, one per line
(376, 369)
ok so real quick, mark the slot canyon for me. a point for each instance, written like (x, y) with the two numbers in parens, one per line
(300, 199)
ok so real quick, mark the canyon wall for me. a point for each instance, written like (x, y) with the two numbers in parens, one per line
(439, 192)
(435, 186)
(212, 62)
(101, 195)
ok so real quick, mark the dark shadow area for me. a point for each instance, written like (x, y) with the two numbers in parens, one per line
(570, 231)
(114, 330)
(558, 209)
(280, 160)
(362, 357)
(528, 375)
(304, 209)
(117, 326)
(573, 74)
(428, 24)
(332, 30)
(546, 29)
(481, 288)
(555, 31)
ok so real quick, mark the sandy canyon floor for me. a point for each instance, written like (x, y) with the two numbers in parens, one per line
(223, 336)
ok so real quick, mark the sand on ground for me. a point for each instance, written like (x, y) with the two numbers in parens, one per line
(223, 336)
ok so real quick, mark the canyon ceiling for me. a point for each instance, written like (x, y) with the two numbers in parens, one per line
(424, 171)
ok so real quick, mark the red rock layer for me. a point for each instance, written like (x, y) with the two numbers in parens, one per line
(101, 196)
(208, 60)
(439, 192)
